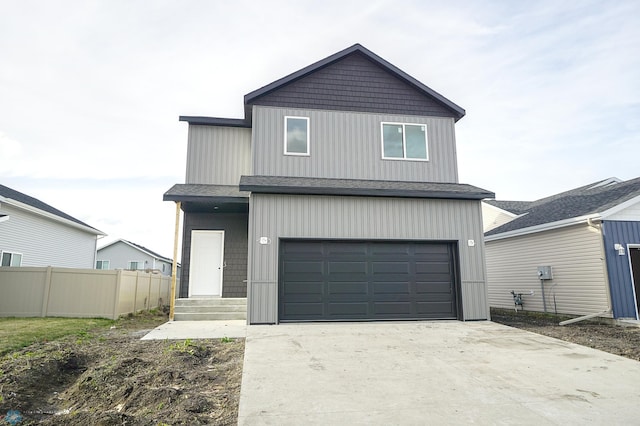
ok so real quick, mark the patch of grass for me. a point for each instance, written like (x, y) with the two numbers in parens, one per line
(17, 333)
(226, 339)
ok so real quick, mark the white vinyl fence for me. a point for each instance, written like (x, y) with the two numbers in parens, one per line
(81, 293)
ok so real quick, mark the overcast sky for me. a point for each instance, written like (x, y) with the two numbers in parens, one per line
(91, 91)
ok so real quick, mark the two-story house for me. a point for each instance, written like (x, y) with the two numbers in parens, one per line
(335, 198)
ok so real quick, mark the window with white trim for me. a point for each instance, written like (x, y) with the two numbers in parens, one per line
(102, 264)
(135, 266)
(402, 141)
(296, 135)
(10, 259)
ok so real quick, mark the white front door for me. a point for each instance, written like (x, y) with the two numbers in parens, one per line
(205, 267)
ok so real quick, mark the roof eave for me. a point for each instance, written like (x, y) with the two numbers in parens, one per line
(216, 121)
(52, 216)
(543, 227)
(363, 192)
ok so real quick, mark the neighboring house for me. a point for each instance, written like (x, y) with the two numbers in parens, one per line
(123, 254)
(33, 233)
(589, 236)
(335, 198)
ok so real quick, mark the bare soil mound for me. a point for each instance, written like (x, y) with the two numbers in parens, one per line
(114, 378)
(599, 334)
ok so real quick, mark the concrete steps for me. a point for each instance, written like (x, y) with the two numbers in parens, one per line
(210, 309)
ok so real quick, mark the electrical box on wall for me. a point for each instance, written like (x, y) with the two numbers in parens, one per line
(545, 273)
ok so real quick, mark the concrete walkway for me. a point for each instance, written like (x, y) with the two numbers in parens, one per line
(436, 373)
(180, 330)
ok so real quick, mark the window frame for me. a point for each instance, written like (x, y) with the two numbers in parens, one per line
(299, 154)
(138, 263)
(404, 141)
(12, 254)
(108, 262)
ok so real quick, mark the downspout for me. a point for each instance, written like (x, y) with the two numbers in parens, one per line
(598, 228)
(603, 259)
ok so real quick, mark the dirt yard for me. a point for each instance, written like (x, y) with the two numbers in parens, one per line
(114, 378)
(598, 333)
(111, 377)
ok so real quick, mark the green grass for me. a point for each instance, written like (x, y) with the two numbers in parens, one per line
(17, 333)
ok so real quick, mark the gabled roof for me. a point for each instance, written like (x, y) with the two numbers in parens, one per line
(515, 207)
(20, 200)
(357, 187)
(355, 49)
(410, 97)
(139, 248)
(591, 200)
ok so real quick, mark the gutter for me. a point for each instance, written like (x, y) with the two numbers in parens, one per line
(543, 227)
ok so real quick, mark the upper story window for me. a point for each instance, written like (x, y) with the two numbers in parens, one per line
(296, 135)
(404, 141)
(102, 264)
(11, 259)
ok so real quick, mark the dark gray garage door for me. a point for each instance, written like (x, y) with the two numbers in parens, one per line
(366, 280)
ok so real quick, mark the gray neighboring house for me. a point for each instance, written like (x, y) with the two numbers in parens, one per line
(335, 198)
(123, 254)
(33, 233)
(589, 236)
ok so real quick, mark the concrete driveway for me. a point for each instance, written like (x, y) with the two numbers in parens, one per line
(436, 373)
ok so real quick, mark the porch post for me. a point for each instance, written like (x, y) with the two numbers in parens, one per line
(174, 266)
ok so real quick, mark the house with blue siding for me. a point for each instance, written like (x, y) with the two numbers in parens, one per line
(335, 198)
(33, 233)
(589, 237)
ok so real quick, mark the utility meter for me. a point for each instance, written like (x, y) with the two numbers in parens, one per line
(545, 273)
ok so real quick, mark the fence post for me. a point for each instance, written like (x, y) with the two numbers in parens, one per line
(116, 299)
(46, 291)
(149, 293)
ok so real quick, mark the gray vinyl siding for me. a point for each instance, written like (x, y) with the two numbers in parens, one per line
(576, 255)
(218, 155)
(234, 225)
(46, 242)
(120, 254)
(326, 217)
(355, 83)
(348, 145)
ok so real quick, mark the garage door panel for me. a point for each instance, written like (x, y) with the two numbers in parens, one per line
(388, 249)
(348, 310)
(338, 280)
(432, 267)
(433, 287)
(306, 310)
(342, 288)
(397, 308)
(302, 248)
(397, 287)
(347, 267)
(390, 267)
(345, 249)
(303, 266)
(433, 308)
